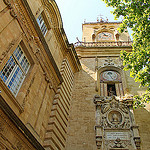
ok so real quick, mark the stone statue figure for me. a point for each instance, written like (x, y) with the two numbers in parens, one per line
(115, 118)
(111, 92)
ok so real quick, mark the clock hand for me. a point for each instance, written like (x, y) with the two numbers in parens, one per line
(110, 76)
(109, 73)
(104, 34)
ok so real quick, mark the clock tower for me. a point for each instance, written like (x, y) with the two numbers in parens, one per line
(102, 43)
(102, 115)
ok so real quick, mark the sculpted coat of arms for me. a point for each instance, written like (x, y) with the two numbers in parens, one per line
(115, 125)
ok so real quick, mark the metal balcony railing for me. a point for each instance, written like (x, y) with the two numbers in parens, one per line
(103, 44)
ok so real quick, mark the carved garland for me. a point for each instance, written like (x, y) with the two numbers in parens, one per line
(9, 5)
(47, 79)
(7, 50)
(39, 57)
(48, 76)
(28, 90)
(24, 22)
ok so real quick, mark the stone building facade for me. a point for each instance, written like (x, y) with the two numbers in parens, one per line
(56, 95)
(37, 73)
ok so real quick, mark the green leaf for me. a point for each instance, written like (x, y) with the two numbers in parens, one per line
(136, 16)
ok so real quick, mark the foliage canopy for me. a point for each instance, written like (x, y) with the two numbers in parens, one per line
(136, 15)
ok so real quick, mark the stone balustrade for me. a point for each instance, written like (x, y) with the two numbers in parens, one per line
(103, 44)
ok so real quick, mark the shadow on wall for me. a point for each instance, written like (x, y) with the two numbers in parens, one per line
(142, 118)
(81, 134)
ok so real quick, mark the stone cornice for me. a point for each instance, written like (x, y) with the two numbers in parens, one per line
(74, 55)
(60, 33)
(57, 25)
(68, 48)
(86, 23)
(101, 51)
(42, 39)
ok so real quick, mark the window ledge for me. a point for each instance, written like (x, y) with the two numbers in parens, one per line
(5, 92)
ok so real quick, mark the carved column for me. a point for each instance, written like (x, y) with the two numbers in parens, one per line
(96, 70)
(98, 127)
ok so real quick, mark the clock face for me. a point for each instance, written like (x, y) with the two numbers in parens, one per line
(110, 75)
(105, 36)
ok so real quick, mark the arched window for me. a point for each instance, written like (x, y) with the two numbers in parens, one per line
(110, 83)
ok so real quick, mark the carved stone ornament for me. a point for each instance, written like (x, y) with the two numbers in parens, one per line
(108, 62)
(1, 127)
(115, 117)
(7, 50)
(48, 80)
(28, 91)
(115, 126)
(7, 2)
(118, 144)
(19, 145)
(9, 5)
(13, 14)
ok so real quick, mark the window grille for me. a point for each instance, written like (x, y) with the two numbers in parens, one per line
(15, 70)
(42, 24)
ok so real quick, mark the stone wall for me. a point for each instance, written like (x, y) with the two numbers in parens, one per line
(80, 133)
(10, 135)
(33, 102)
(45, 94)
(142, 118)
(55, 137)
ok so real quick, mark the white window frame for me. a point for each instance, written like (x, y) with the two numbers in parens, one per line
(42, 24)
(15, 70)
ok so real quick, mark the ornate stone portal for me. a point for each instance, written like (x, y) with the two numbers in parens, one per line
(115, 125)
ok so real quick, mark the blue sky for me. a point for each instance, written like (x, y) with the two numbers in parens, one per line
(74, 12)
